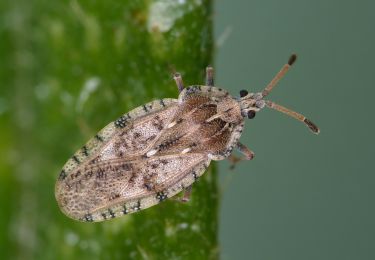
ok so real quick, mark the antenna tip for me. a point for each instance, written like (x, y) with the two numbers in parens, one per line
(312, 126)
(292, 59)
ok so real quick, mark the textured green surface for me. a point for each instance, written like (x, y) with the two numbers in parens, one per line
(67, 69)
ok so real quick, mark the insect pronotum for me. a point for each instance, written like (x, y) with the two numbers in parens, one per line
(160, 149)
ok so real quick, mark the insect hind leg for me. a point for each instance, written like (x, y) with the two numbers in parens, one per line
(178, 79)
(210, 76)
(186, 196)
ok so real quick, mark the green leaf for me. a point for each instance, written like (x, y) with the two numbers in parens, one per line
(67, 69)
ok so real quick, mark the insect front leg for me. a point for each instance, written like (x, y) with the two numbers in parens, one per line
(248, 155)
(210, 76)
(178, 79)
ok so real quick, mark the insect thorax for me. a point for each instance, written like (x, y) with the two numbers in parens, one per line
(213, 120)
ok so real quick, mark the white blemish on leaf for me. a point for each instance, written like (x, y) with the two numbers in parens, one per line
(183, 225)
(169, 230)
(163, 14)
(71, 238)
(88, 88)
(143, 252)
(195, 227)
(56, 31)
(91, 25)
(66, 98)
(42, 91)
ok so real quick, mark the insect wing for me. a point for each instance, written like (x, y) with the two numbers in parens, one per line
(111, 169)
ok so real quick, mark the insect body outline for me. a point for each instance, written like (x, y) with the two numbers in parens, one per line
(159, 149)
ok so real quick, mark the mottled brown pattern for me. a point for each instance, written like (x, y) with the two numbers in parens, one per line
(160, 151)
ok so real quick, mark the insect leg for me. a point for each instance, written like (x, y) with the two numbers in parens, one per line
(279, 75)
(187, 194)
(180, 84)
(210, 76)
(186, 197)
(248, 155)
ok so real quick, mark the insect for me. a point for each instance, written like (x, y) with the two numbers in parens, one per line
(160, 149)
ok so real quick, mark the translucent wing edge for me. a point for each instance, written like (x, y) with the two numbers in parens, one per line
(135, 205)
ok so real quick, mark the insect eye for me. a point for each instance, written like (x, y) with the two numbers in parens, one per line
(243, 93)
(251, 114)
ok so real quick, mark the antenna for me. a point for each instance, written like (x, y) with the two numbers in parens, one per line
(287, 111)
(279, 75)
(293, 114)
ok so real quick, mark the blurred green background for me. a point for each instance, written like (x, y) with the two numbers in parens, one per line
(69, 67)
(303, 196)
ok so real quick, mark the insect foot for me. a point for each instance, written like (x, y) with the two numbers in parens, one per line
(154, 151)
